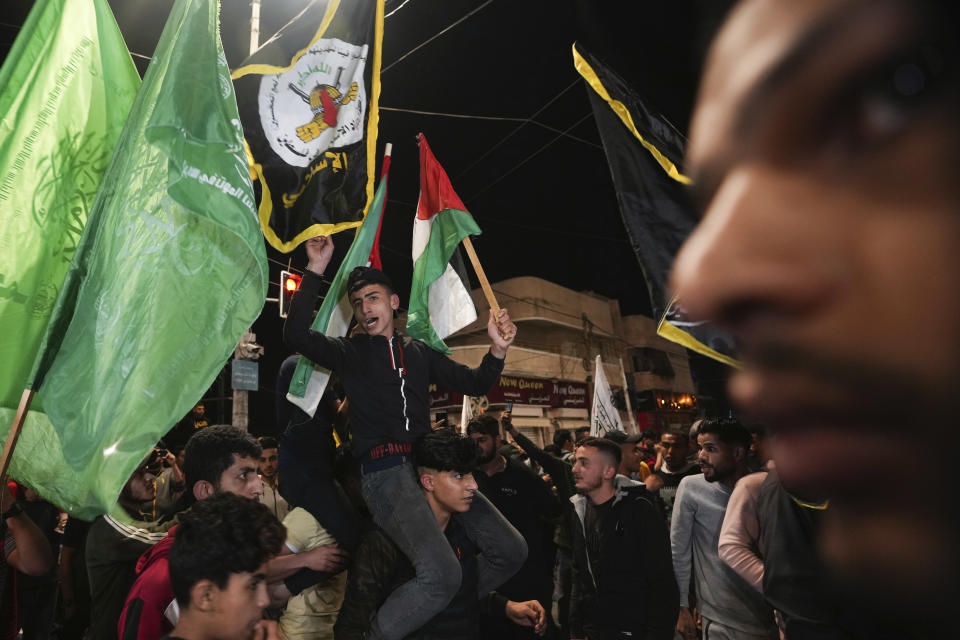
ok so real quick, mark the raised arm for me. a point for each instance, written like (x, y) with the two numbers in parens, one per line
(297, 333)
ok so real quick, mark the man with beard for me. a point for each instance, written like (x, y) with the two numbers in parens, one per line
(676, 466)
(729, 606)
(270, 495)
(528, 504)
(623, 582)
(823, 152)
(114, 544)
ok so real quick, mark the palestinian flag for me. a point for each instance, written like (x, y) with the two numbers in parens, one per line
(440, 302)
(308, 104)
(645, 154)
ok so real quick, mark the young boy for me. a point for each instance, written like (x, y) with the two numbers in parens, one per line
(444, 463)
(386, 377)
(218, 569)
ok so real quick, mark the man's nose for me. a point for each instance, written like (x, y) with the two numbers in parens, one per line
(750, 252)
(263, 597)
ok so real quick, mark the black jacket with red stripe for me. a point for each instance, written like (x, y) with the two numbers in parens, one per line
(386, 379)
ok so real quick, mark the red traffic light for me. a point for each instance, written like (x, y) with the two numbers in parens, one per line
(292, 282)
(289, 283)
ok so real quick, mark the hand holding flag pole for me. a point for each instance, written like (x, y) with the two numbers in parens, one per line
(440, 302)
(506, 334)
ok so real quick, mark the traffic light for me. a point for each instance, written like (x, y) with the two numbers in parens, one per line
(289, 283)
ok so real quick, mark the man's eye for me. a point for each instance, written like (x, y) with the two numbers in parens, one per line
(881, 105)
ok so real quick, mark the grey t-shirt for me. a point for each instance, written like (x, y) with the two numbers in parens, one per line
(722, 595)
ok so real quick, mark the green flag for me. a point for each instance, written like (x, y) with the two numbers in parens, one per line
(65, 90)
(170, 272)
(333, 319)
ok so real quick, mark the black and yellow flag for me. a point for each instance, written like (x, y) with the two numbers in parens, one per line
(308, 104)
(645, 155)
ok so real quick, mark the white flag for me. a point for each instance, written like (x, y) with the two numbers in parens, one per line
(604, 416)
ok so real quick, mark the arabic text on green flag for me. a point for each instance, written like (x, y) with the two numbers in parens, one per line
(170, 272)
(67, 86)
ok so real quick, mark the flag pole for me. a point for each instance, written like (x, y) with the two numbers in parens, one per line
(484, 283)
(626, 396)
(481, 276)
(14, 434)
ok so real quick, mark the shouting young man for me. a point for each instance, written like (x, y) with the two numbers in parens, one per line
(386, 377)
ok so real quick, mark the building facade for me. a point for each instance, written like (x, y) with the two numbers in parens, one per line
(548, 374)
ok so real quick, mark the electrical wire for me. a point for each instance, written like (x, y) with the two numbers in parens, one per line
(494, 118)
(511, 134)
(434, 37)
(402, 5)
(530, 157)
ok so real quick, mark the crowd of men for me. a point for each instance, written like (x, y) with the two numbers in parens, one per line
(824, 151)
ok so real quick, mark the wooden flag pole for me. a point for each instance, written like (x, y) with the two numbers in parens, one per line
(14, 434)
(482, 277)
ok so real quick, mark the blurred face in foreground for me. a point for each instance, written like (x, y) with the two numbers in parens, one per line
(823, 151)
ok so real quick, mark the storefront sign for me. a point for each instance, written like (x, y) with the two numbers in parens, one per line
(536, 392)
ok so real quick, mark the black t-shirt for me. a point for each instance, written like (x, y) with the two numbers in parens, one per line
(593, 524)
(668, 492)
(529, 505)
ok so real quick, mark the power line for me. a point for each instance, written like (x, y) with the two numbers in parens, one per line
(494, 118)
(402, 5)
(511, 134)
(433, 37)
(531, 156)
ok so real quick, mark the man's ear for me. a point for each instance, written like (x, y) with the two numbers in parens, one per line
(609, 472)
(394, 301)
(426, 480)
(203, 596)
(203, 490)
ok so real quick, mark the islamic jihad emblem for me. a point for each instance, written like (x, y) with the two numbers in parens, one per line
(325, 101)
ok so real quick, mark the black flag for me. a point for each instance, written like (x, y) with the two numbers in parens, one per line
(645, 154)
(308, 102)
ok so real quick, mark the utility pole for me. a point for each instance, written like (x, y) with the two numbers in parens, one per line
(245, 378)
(244, 369)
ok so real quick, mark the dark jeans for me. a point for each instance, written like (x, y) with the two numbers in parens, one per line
(400, 509)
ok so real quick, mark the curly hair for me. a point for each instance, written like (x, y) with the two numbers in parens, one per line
(486, 425)
(220, 536)
(727, 430)
(444, 450)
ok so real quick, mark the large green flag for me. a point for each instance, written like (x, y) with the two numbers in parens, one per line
(65, 90)
(170, 272)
